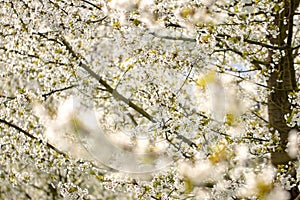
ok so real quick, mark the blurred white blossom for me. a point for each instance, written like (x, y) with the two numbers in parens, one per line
(293, 143)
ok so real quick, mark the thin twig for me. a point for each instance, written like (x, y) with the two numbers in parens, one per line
(260, 117)
(173, 38)
(185, 80)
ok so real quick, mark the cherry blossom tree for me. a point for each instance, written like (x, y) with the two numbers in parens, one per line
(126, 99)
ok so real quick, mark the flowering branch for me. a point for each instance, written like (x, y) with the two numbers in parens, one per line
(252, 42)
(30, 135)
(109, 89)
(174, 38)
(57, 90)
(116, 94)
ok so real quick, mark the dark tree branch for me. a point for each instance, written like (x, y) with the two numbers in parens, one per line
(30, 136)
(153, 197)
(290, 23)
(171, 192)
(19, 52)
(57, 90)
(57, 6)
(242, 138)
(296, 47)
(244, 79)
(253, 42)
(260, 117)
(132, 119)
(98, 20)
(94, 5)
(7, 97)
(175, 145)
(254, 61)
(46, 95)
(24, 26)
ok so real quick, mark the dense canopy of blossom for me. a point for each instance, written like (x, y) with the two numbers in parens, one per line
(141, 99)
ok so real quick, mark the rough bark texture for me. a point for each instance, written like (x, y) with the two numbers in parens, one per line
(282, 79)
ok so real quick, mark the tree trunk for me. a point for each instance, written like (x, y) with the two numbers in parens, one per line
(282, 78)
